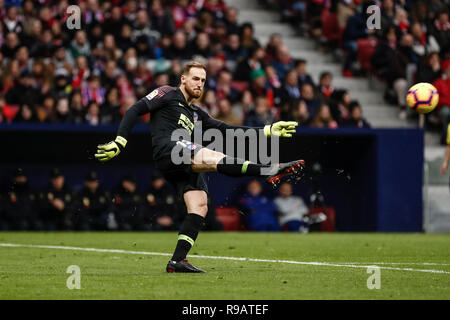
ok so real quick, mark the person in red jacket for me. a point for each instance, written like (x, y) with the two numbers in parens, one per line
(443, 86)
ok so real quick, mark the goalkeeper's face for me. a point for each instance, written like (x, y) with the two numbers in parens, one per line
(194, 82)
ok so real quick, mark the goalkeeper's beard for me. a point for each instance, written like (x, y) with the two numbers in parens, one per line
(193, 94)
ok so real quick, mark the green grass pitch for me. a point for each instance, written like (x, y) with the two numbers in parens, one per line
(404, 261)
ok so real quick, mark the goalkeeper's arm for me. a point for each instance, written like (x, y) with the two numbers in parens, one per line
(111, 149)
(283, 129)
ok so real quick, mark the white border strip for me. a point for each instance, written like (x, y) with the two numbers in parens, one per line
(324, 264)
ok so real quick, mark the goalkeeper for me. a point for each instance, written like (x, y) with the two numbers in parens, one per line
(171, 109)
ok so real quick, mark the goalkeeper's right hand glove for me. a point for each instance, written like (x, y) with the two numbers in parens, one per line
(106, 152)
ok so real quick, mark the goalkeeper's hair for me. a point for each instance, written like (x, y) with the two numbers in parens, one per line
(192, 64)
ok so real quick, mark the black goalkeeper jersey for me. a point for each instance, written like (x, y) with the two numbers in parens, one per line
(169, 111)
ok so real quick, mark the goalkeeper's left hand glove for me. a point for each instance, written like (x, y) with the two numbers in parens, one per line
(282, 129)
(106, 152)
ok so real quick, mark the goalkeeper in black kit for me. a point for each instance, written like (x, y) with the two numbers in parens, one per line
(171, 109)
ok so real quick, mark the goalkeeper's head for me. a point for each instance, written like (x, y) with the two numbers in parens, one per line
(193, 79)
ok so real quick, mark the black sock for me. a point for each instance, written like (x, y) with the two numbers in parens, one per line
(235, 167)
(189, 229)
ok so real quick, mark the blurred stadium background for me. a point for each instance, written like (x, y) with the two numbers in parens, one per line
(373, 165)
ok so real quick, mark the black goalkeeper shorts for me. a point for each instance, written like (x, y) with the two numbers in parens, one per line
(181, 176)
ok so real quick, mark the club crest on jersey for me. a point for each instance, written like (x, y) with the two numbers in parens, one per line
(152, 94)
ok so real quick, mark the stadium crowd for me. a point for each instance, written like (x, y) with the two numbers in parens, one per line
(60, 206)
(125, 48)
(411, 44)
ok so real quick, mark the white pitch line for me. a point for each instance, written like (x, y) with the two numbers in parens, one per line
(403, 263)
(324, 264)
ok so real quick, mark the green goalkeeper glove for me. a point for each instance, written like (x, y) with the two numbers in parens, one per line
(106, 152)
(282, 129)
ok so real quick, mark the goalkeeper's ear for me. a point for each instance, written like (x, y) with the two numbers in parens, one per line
(121, 141)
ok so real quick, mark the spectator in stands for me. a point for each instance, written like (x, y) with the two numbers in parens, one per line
(440, 29)
(345, 10)
(247, 36)
(208, 102)
(274, 84)
(307, 94)
(254, 61)
(179, 48)
(56, 203)
(283, 62)
(290, 89)
(258, 87)
(92, 91)
(233, 49)
(11, 45)
(384, 53)
(76, 107)
(246, 104)
(326, 87)
(291, 209)
(423, 43)
(300, 112)
(224, 89)
(62, 111)
(127, 204)
(142, 28)
(387, 10)
(356, 119)
(12, 21)
(189, 29)
(80, 45)
(110, 47)
(401, 20)
(161, 18)
(323, 118)
(23, 57)
(93, 205)
(303, 76)
(260, 211)
(61, 86)
(443, 87)
(204, 21)
(430, 69)
(110, 110)
(340, 105)
(23, 92)
(275, 41)
(225, 113)
(26, 114)
(124, 40)
(231, 20)
(202, 46)
(20, 204)
(160, 208)
(93, 114)
(355, 29)
(260, 115)
(80, 73)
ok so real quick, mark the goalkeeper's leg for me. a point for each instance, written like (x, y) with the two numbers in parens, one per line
(207, 160)
(197, 206)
